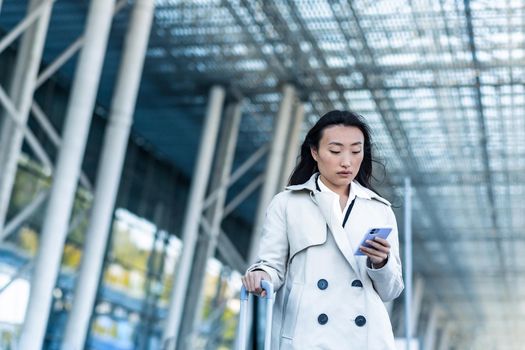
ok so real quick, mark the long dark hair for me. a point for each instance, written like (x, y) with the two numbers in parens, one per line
(307, 165)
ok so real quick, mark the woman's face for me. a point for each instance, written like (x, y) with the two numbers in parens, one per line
(339, 156)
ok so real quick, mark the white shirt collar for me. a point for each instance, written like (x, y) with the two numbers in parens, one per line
(359, 190)
(354, 189)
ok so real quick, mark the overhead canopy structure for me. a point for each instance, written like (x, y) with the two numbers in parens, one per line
(441, 83)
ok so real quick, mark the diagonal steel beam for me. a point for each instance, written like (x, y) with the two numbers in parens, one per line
(19, 101)
(241, 170)
(16, 118)
(245, 193)
(24, 214)
(55, 138)
(24, 24)
(69, 52)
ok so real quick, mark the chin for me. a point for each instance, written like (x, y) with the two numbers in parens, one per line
(342, 182)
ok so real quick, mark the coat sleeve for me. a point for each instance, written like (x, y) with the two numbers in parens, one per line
(388, 280)
(272, 252)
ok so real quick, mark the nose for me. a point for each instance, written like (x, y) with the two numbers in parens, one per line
(345, 162)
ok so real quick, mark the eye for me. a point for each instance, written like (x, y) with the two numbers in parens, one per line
(334, 152)
(356, 152)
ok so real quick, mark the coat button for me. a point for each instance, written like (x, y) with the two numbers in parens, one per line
(360, 321)
(357, 283)
(322, 319)
(322, 284)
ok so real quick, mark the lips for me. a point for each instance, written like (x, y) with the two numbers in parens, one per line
(344, 173)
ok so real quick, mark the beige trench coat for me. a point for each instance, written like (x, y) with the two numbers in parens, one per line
(327, 298)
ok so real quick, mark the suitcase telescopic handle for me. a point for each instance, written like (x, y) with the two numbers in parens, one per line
(268, 287)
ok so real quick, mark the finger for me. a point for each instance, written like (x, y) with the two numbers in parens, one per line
(249, 283)
(382, 241)
(257, 283)
(373, 259)
(378, 246)
(373, 253)
(254, 285)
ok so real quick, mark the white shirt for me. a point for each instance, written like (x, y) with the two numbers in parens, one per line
(336, 207)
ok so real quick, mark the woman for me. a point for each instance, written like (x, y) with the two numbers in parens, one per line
(328, 297)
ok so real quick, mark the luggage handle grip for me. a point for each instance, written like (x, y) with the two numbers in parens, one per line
(265, 285)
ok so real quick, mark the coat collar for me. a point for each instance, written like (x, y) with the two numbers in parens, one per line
(359, 190)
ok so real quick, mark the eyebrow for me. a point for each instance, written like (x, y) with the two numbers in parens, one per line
(340, 144)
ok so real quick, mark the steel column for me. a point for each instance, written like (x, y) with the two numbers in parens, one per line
(109, 173)
(272, 177)
(408, 262)
(78, 117)
(208, 241)
(190, 228)
(21, 95)
(274, 164)
(293, 144)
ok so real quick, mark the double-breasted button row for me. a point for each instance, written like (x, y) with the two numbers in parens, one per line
(360, 320)
(323, 284)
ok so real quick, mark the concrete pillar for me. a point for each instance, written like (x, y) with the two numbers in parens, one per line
(78, 118)
(109, 173)
(294, 147)
(21, 94)
(431, 329)
(192, 217)
(208, 241)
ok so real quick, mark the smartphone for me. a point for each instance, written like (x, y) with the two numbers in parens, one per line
(382, 232)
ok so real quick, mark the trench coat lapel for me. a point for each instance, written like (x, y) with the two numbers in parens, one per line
(324, 201)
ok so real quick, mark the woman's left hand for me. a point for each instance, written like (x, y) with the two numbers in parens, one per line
(378, 253)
